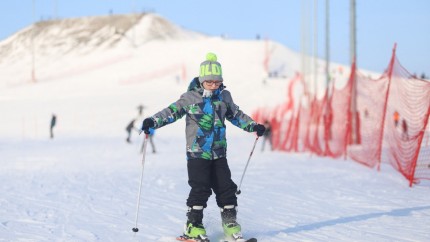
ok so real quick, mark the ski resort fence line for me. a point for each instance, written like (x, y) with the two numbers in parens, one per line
(391, 120)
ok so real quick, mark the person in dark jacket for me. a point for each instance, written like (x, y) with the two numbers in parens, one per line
(140, 109)
(151, 141)
(129, 128)
(53, 123)
(405, 135)
(207, 105)
(267, 136)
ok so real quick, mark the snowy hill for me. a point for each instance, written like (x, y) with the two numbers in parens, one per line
(83, 184)
(54, 38)
(104, 65)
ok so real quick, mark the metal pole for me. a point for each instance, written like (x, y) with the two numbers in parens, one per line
(302, 42)
(352, 32)
(328, 110)
(33, 68)
(327, 42)
(353, 58)
(145, 142)
(315, 64)
(306, 44)
(246, 167)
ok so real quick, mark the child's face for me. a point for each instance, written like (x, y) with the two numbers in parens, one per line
(211, 85)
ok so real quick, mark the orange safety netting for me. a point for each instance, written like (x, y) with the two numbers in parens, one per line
(371, 105)
(390, 121)
(410, 98)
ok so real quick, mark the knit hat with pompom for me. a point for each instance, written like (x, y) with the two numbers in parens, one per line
(210, 69)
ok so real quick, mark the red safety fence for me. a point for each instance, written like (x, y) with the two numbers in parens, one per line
(390, 122)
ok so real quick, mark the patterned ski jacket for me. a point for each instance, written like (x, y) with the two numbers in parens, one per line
(205, 120)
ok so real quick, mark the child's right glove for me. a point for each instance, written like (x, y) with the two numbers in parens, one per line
(259, 128)
(147, 123)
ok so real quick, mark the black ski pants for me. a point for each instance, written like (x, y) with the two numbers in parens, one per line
(207, 175)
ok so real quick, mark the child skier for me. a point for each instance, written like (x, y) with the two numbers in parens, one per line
(207, 104)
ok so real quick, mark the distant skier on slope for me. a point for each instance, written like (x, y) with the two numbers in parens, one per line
(267, 135)
(206, 105)
(129, 128)
(151, 141)
(51, 127)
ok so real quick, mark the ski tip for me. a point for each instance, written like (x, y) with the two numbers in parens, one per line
(240, 240)
(185, 239)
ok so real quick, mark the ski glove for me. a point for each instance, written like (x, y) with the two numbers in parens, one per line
(260, 129)
(147, 123)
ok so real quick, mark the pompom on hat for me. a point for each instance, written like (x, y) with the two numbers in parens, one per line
(210, 69)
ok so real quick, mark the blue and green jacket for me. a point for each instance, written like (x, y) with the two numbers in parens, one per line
(205, 120)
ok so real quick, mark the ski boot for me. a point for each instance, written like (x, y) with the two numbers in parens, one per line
(229, 224)
(194, 229)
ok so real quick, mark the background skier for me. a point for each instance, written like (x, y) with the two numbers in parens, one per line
(206, 105)
(129, 128)
(151, 141)
(267, 135)
(51, 127)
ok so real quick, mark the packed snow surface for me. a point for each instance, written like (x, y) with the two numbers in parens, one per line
(83, 184)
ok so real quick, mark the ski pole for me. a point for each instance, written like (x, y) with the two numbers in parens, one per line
(145, 141)
(247, 163)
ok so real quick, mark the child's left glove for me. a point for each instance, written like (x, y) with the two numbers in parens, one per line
(260, 129)
(147, 123)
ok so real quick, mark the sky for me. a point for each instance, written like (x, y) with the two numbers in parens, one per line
(380, 24)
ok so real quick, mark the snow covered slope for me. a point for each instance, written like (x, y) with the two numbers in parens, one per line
(83, 184)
